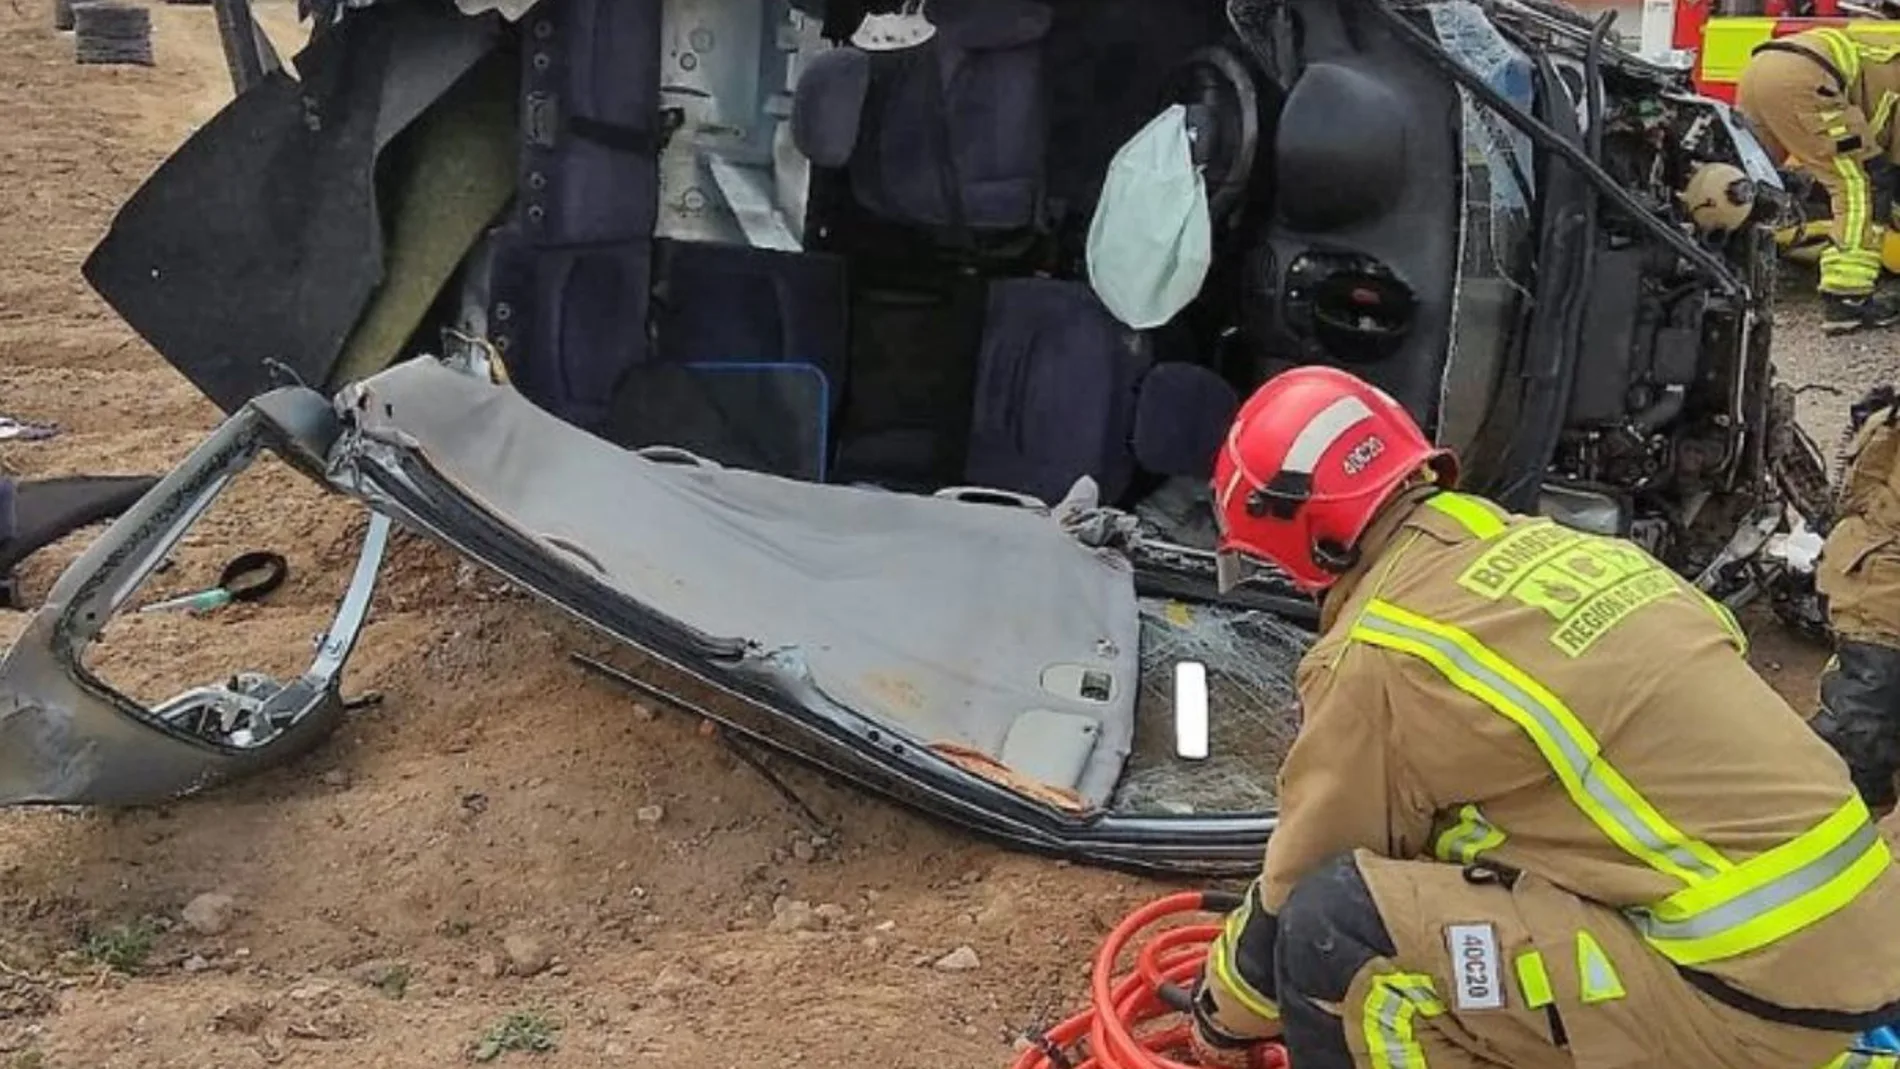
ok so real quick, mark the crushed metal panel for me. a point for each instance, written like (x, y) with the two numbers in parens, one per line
(947, 620)
(66, 737)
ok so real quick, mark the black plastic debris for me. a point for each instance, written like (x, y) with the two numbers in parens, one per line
(109, 33)
(37, 513)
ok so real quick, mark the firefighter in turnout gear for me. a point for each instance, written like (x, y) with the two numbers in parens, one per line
(1540, 811)
(1824, 101)
(1859, 578)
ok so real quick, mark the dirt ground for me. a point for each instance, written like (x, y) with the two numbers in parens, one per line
(499, 813)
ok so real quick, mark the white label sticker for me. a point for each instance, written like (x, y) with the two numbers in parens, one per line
(1474, 966)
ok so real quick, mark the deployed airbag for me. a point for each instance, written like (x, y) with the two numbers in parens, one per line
(1151, 242)
(938, 620)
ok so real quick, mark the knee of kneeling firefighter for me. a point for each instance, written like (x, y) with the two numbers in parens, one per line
(1860, 716)
(1330, 928)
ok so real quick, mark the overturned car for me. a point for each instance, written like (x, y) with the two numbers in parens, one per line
(770, 339)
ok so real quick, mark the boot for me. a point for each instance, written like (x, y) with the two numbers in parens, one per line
(1843, 314)
(1860, 716)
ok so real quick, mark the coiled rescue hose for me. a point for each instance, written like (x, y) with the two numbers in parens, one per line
(1124, 1026)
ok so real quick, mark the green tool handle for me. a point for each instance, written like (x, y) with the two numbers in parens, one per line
(202, 601)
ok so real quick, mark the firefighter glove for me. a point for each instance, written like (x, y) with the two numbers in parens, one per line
(1214, 1047)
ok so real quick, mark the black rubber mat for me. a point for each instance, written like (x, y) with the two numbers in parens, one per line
(771, 418)
(112, 33)
(258, 242)
(34, 515)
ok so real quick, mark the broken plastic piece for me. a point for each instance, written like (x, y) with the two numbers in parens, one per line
(15, 430)
(67, 737)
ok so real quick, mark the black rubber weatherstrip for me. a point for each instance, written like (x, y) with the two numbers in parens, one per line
(1549, 355)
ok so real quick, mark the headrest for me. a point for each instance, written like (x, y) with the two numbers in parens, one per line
(1181, 416)
(1327, 182)
(828, 103)
(985, 25)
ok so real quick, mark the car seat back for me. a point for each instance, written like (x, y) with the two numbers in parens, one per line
(571, 270)
(1065, 390)
(747, 361)
(716, 303)
(948, 134)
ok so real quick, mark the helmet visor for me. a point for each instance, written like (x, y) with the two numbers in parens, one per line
(1233, 568)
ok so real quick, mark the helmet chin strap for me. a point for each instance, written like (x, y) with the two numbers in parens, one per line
(1334, 557)
(1340, 559)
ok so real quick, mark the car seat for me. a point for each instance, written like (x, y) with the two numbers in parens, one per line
(572, 268)
(1066, 390)
(747, 358)
(947, 135)
(1020, 384)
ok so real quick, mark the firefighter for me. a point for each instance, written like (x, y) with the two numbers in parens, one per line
(1823, 100)
(1540, 811)
(1859, 579)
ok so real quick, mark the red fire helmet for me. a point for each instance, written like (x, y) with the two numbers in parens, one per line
(1311, 457)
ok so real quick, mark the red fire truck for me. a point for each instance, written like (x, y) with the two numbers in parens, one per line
(1722, 33)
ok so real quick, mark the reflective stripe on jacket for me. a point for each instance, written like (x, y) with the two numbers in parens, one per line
(1505, 688)
(1869, 75)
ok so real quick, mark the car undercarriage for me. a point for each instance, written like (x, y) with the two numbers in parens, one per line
(759, 337)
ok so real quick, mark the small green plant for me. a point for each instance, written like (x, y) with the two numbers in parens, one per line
(27, 1059)
(394, 981)
(527, 1031)
(122, 947)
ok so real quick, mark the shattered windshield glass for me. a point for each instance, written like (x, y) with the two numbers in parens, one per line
(1254, 709)
(1494, 260)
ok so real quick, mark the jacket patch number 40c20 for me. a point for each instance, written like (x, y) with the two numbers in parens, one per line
(1476, 976)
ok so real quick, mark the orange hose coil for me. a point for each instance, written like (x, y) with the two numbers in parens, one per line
(1121, 1006)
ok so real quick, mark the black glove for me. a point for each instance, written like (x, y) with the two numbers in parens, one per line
(1214, 1047)
(1883, 183)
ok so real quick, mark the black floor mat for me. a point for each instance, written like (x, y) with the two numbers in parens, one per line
(34, 515)
(259, 239)
(911, 384)
(771, 418)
